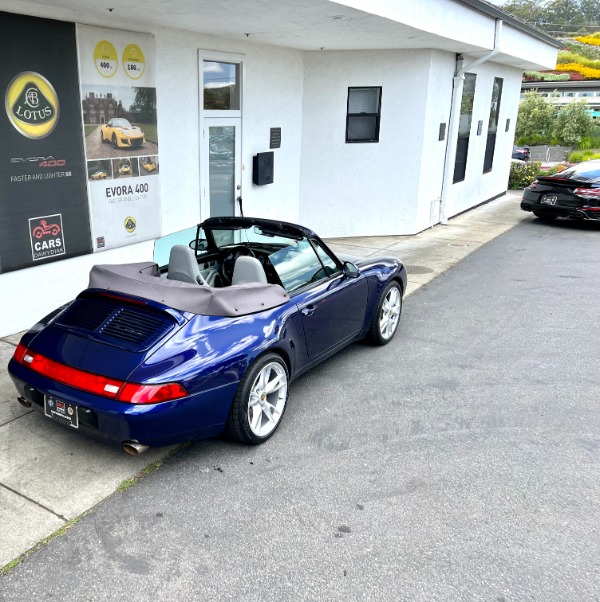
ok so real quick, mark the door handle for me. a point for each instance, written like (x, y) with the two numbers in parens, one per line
(308, 310)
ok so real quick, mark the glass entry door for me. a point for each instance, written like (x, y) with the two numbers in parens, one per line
(221, 120)
(222, 146)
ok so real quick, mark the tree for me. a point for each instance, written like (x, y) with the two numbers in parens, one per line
(590, 9)
(573, 122)
(564, 16)
(536, 117)
(556, 16)
(144, 105)
(531, 11)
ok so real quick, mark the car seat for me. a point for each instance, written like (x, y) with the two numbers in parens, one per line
(247, 270)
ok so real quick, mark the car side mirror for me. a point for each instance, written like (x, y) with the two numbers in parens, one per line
(198, 245)
(350, 270)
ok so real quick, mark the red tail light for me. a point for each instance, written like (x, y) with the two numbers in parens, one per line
(20, 352)
(97, 384)
(588, 193)
(133, 393)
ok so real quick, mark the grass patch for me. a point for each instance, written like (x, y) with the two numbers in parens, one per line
(150, 131)
(88, 129)
(127, 484)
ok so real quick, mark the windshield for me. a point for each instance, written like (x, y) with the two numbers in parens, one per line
(121, 123)
(253, 234)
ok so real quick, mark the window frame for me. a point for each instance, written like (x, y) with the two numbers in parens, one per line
(329, 273)
(350, 116)
(493, 124)
(463, 138)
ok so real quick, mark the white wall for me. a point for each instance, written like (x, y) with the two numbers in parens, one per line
(273, 98)
(362, 188)
(437, 110)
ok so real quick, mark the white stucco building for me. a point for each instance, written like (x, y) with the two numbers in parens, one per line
(367, 95)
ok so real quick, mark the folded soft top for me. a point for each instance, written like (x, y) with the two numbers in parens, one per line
(143, 280)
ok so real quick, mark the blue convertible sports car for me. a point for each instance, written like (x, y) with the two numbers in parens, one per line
(207, 337)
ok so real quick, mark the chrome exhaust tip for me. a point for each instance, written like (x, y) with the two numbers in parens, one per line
(24, 402)
(134, 448)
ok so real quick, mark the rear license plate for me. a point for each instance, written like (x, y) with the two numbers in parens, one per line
(549, 199)
(61, 411)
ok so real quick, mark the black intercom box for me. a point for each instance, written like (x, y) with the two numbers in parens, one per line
(262, 168)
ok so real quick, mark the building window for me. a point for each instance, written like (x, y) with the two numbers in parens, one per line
(464, 127)
(490, 146)
(221, 86)
(363, 114)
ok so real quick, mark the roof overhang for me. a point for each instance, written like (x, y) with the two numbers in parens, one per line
(309, 24)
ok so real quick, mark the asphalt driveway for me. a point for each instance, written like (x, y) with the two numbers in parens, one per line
(460, 462)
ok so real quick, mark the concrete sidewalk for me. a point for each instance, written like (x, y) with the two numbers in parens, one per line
(49, 475)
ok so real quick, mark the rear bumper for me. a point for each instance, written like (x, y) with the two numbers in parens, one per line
(195, 417)
(583, 212)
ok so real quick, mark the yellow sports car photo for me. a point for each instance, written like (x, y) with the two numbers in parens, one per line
(98, 175)
(125, 169)
(122, 134)
(149, 166)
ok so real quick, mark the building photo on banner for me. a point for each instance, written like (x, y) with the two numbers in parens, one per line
(118, 101)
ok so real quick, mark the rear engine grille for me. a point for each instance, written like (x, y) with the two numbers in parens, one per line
(134, 328)
(87, 314)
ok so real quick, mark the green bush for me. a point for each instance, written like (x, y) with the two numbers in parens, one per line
(586, 50)
(573, 123)
(530, 140)
(573, 57)
(536, 116)
(585, 155)
(589, 142)
(522, 174)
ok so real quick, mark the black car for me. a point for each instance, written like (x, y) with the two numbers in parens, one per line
(573, 193)
(521, 152)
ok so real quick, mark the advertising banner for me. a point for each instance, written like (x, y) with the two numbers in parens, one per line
(44, 212)
(118, 103)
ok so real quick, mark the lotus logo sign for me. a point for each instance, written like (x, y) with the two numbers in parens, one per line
(32, 105)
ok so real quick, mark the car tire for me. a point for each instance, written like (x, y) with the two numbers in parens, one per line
(114, 141)
(544, 216)
(260, 400)
(102, 137)
(386, 316)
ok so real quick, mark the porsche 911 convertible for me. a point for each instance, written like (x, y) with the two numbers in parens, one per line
(121, 134)
(205, 338)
